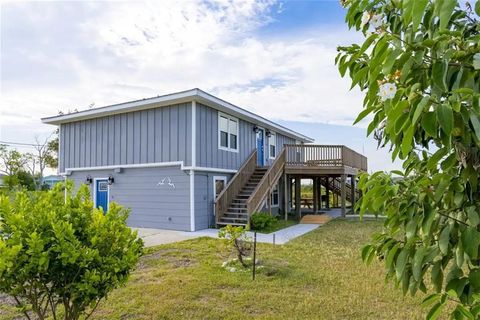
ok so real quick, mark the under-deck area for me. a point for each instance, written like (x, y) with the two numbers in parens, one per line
(333, 170)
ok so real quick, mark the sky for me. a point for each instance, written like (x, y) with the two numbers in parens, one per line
(274, 58)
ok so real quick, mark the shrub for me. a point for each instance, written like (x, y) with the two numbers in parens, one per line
(237, 238)
(60, 255)
(262, 220)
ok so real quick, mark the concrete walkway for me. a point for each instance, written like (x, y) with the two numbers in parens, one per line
(155, 237)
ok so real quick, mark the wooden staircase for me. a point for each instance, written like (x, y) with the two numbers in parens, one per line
(236, 213)
(335, 186)
(247, 190)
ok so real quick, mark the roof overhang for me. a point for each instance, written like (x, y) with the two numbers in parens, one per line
(175, 98)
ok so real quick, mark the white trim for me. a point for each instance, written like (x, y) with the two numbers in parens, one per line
(150, 165)
(95, 193)
(194, 133)
(192, 200)
(174, 98)
(229, 118)
(59, 147)
(215, 178)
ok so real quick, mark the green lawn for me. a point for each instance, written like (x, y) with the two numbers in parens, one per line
(317, 276)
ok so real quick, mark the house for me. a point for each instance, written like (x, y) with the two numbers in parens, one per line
(52, 180)
(188, 160)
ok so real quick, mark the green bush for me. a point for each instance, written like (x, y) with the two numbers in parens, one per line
(262, 220)
(59, 256)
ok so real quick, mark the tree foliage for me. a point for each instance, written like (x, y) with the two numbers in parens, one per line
(419, 69)
(59, 256)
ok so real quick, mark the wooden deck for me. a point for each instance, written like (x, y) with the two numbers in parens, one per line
(311, 160)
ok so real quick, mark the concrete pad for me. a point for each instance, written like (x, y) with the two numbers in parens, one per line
(155, 237)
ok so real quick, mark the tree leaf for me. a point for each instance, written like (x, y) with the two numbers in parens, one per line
(401, 263)
(445, 118)
(475, 124)
(407, 140)
(435, 311)
(444, 240)
(471, 242)
(429, 124)
(446, 11)
(418, 11)
(419, 109)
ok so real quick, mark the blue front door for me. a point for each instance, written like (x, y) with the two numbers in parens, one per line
(260, 144)
(101, 199)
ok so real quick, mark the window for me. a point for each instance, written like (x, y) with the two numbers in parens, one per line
(275, 196)
(272, 143)
(227, 133)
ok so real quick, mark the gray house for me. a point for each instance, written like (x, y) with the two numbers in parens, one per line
(169, 158)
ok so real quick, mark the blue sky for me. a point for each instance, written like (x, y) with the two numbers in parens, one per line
(274, 58)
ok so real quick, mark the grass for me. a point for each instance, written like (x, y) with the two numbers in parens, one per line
(317, 276)
(278, 225)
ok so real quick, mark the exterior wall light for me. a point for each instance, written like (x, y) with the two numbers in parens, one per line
(256, 129)
(88, 179)
(111, 180)
(268, 133)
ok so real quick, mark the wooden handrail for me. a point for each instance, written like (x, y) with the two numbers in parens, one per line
(266, 183)
(324, 156)
(235, 185)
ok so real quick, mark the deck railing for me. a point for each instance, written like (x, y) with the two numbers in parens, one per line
(235, 185)
(265, 185)
(324, 156)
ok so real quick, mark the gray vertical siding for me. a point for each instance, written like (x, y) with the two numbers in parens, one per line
(204, 193)
(154, 135)
(208, 153)
(152, 205)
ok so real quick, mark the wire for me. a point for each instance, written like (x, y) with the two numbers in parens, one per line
(18, 143)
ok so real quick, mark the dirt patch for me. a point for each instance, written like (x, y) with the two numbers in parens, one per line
(177, 257)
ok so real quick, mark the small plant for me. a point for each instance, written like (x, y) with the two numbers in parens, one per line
(60, 256)
(262, 220)
(237, 238)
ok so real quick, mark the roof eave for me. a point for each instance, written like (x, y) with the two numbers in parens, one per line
(174, 98)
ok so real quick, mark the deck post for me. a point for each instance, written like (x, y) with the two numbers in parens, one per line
(319, 188)
(343, 193)
(285, 195)
(298, 190)
(315, 195)
(327, 191)
(353, 190)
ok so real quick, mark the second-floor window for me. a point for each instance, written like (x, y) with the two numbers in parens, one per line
(227, 132)
(272, 142)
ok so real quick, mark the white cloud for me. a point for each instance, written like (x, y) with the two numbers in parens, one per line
(61, 56)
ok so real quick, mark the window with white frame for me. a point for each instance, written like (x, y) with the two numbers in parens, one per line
(275, 196)
(272, 145)
(227, 132)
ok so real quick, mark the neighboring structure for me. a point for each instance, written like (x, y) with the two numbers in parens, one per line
(52, 180)
(168, 158)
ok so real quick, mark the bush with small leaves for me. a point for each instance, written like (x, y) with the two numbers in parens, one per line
(59, 256)
(262, 220)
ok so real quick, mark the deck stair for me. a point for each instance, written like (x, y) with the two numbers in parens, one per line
(236, 213)
(335, 186)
